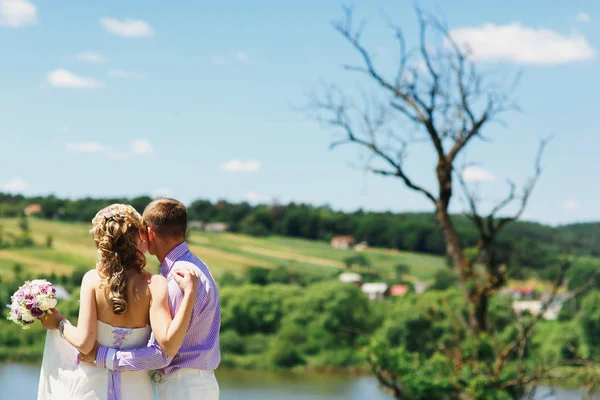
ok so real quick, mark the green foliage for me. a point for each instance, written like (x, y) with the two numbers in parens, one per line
(17, 270)
(231, 342)
(589, 320)
(258, 276)
(281, 354)
(444, 279)
(230, 279)
(49, 241)
(357, 259)
(252, 309)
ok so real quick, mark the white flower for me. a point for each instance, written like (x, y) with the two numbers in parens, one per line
(27, 317)
(51, 302)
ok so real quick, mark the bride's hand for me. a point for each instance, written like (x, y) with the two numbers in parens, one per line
(51, 321)
(187, 279)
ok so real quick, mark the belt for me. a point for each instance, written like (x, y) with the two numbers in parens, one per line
(158, 377)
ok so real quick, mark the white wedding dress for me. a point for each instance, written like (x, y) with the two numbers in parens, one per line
(62, 379)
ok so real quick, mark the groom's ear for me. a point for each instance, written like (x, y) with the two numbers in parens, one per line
(151, 233)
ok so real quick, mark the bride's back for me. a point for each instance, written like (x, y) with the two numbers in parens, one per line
(137, 314)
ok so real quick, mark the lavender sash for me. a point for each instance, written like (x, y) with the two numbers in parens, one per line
(114, 377)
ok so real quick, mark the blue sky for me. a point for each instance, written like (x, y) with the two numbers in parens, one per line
(199, 99)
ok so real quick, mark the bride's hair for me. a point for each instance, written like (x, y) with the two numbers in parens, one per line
(115, 232)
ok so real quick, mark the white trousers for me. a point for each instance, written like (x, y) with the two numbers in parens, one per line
(189, 384)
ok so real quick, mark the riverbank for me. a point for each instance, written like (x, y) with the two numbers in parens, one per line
(20, 381)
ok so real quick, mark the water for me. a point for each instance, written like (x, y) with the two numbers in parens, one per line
(19, 381)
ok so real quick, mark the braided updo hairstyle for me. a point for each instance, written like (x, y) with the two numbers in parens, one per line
(115, 232)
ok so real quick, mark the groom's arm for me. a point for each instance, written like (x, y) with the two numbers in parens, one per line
(142, 359)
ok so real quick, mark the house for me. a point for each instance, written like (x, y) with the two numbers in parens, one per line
(342, 242)
(521, 292)
(361, 246)
(351, 277)
(399, 290)
(216, 227)
(535, 308)
(421, 287)
(196, 225)
(61, 293)
(376, 290)
(32, 209)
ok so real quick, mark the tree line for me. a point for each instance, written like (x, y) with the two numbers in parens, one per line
(524, 246)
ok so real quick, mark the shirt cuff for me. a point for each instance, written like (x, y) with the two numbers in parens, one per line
(101, 356)
(105, 357)
(110, 358)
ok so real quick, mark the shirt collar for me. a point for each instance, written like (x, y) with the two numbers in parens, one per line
(175, 254)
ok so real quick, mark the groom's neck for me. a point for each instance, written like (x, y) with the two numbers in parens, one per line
(166, 248)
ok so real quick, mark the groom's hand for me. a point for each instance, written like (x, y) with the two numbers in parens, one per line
(187, 279)
(89, 358)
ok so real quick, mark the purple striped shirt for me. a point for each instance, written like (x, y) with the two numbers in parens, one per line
(200, 348)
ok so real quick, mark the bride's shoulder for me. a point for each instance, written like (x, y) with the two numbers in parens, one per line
(91, 278)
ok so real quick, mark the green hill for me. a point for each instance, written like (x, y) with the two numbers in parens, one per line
(72, 248)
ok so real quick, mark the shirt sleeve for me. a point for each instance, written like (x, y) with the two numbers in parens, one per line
(146, 358)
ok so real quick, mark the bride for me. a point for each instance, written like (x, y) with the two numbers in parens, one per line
(120, 306)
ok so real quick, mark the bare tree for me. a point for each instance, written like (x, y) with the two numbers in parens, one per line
(439, 92)
(438, 95)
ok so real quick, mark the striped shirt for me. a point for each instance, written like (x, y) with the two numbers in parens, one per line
(200, 348)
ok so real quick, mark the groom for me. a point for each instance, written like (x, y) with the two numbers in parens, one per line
(190, 374)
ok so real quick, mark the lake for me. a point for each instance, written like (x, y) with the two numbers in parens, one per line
(19, 381)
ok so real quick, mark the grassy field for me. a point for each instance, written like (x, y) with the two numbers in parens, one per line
(73, 248)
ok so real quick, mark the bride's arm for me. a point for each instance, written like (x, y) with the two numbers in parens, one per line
(169, 332)
(82, 336)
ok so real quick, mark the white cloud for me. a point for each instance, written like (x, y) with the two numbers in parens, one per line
(571, 205)
(218, 60)
(61, 78)
(241, 56)
(476, 173)
(241, 166)
(523, 45)
(131, 28)
(583, 17)
(89, 57)
(16, 185)
(138, 147)
(122, 73)
(162, 192)
(141, 147)
(254, 197)
(17, 13)
(88, 147)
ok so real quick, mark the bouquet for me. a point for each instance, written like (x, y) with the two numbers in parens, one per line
(33, 300)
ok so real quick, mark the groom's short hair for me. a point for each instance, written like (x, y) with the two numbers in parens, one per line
(167, 217)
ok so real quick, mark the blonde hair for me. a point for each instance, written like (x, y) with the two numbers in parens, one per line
(115, 229)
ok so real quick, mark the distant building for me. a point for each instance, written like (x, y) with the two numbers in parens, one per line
(421, 287)
(61, 293)
(342, 242)
(32, 209)
(216, 227)
(535, 308)
(522, 292)
(197, 225)
(351, 277)
(399, 290)
(361, 246)
(376, 290)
